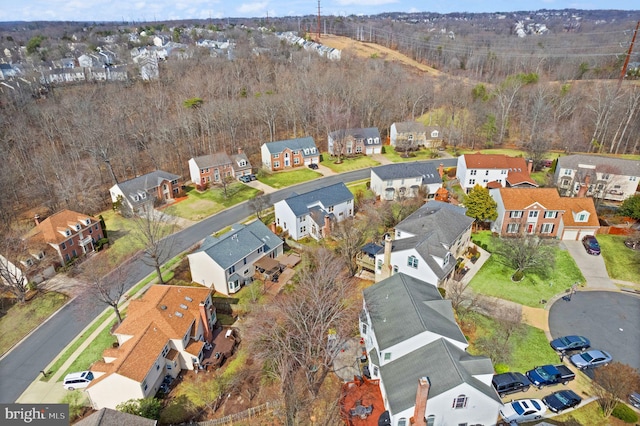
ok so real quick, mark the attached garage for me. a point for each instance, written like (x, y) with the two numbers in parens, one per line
(570, 234)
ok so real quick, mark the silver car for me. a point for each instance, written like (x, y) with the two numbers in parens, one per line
(592, 358)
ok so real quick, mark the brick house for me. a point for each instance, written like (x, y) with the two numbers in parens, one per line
(283, 155)
(493, 171)
(355, 141)
(153, 188)
(542, 212)
(212, 168)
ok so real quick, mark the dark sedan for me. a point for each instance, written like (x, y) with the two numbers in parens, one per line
(570, 343)
(561, 400)
(313, 166)
(591, 244)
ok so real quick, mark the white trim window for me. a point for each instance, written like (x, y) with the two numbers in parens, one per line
(460, 402)
(513, 228)
(412, 262)
(516, 214)
(550, 214)
(547, 228)
(533, 214)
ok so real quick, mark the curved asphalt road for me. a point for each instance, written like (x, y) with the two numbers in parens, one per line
(610, 320)
(22, 365)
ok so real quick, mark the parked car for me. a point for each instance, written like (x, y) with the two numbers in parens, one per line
(592, 358)
(547, 375)
(253, 177)
(313, 166)
(245, 178)
(634, 399)
(591, 244)
(78, 380)
(570, 343)
(507, 383)
(522, 410)
(561, 400)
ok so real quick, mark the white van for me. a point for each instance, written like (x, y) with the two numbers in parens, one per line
(77, 380)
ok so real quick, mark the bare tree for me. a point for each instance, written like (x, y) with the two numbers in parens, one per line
(106, 284)
(350, 235)
(259, 204)
(153, 229)
(525, 253)
(613, 383)
(12, 278)
(459, 297)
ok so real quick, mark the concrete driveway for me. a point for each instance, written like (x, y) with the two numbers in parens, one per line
(609, 319)
(592, 267)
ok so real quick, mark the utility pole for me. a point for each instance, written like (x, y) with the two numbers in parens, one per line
(623, 72)
(318, 39)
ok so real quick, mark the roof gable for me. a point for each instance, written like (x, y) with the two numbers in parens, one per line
(306, 145)
(605, 164)
(53, 229)
(331, 195)
(145, 183)
(426, 171)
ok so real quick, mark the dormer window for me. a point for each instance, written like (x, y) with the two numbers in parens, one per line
(313, 150)
(434, 134)
(78, 226)
(87, 222)
(67, 233)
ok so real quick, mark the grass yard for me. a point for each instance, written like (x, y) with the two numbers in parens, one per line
(93, 352)
(588, 415)
(397, 157)
(21, 319)
(622, 262)
(348, 163)
(120, 231)
(494, 278)
(199, 205)
(283, 179)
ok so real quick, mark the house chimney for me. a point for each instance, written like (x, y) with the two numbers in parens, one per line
(530, 166)
(273, 227)
(208, 336)
(326, 229)
(421, 402)
(240, 151)
(441, 170)
(584, 187)
(386, 265)
(36, 219)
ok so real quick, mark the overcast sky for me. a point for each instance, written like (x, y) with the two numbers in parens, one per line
(150, 10)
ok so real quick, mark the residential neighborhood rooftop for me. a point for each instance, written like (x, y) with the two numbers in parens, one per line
(427, 171)
(329, 196)
(613, 165)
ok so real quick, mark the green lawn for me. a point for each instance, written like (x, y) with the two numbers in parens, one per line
(199, 205)
(120, 231)
(348, 163)
(21, 319)
(588, 415)
(283, 179)
(398, 157)
(93, 352)
(494, 278)
(622, 263)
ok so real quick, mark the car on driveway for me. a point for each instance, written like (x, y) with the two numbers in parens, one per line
(591, 244)
(313, 166)
(510, 382)
(562, 400)
(523, 410)
(589, 359)
(245, 178)
(570, 343)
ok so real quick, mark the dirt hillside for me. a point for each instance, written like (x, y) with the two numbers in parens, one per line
(366, 50)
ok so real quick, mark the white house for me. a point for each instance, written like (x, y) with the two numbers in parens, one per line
(312, 213)
(413, 134)
(157, 186)
(426, 244)
(164, 332)
(355, 141)
(418, 352)
(596, 176)
(493, 171)
(226, 263)
(400, 180)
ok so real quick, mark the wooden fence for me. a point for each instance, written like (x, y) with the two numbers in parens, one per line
(243, 415)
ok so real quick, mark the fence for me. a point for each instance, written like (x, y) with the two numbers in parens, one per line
(247, 414)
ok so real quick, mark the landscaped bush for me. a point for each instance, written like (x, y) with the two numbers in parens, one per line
(501, 368)
(624, 413)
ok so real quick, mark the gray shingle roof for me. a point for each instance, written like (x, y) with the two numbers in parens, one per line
(369, 132)
(410, 127)
(238, 243)
(332, 195)
(610, 164)
(109, 417)
(444, 364)
(402, 307)
(428, 172)
(293, 144)
(145, 183)
(212, 160)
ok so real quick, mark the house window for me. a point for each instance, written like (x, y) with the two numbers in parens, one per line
(358, 149)
(410, 138)
(330, 209)
(387, 356)
(395, 269)
(296, 160)
(63, 246)
(582, 217)
(606, 176)
(473, 172)
(303, 229)
(376, 371)
(533, 214)
(431, 420)
(485, 180)
(515, 214)
(402, 421)
(547, 228)
(412, 261)
(379, 265)
(165, 351)
(232, 269)
(75, 253)
(276, 164)
(276, 155)
(244, 261)
(389, 183)
(364, 328)
(486, 173)
(513, 228)
(632, 178)
(157, 367)
(460, 402)
(472, 181)
(567, 172)
(550, 214)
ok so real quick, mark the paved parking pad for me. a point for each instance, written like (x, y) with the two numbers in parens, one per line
(611, 320)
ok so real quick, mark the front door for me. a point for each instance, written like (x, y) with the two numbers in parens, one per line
(530, 227)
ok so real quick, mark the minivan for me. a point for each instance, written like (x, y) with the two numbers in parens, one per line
(507, 383)
(77, 380)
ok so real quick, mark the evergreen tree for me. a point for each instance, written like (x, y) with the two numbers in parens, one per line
(480, 205)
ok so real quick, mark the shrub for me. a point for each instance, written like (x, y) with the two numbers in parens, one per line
(624, 413)
(443, 292)
(501, 368)
(517, 276)
(75, 399)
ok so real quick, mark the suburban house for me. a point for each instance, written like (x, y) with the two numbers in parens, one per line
(399, 180)
(153, 188)
(413, 134)
(164, 332)
(543, 212)
(596, 176)
(355, 141)
(312, 214)
(226, 263)
(282, 155)
(420, 357)
(426, 244)
(493, 171)
(213, 168)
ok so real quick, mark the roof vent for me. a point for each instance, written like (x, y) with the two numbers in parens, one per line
(183, 306)
(188, 299)
(178, 314)
(163, 307)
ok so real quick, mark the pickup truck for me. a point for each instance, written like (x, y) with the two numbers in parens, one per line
(546, 375)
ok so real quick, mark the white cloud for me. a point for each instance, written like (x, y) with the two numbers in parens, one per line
(255, 8)
(365, 2)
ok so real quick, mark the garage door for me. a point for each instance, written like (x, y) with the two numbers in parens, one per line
(583, 233)
(570, 235)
